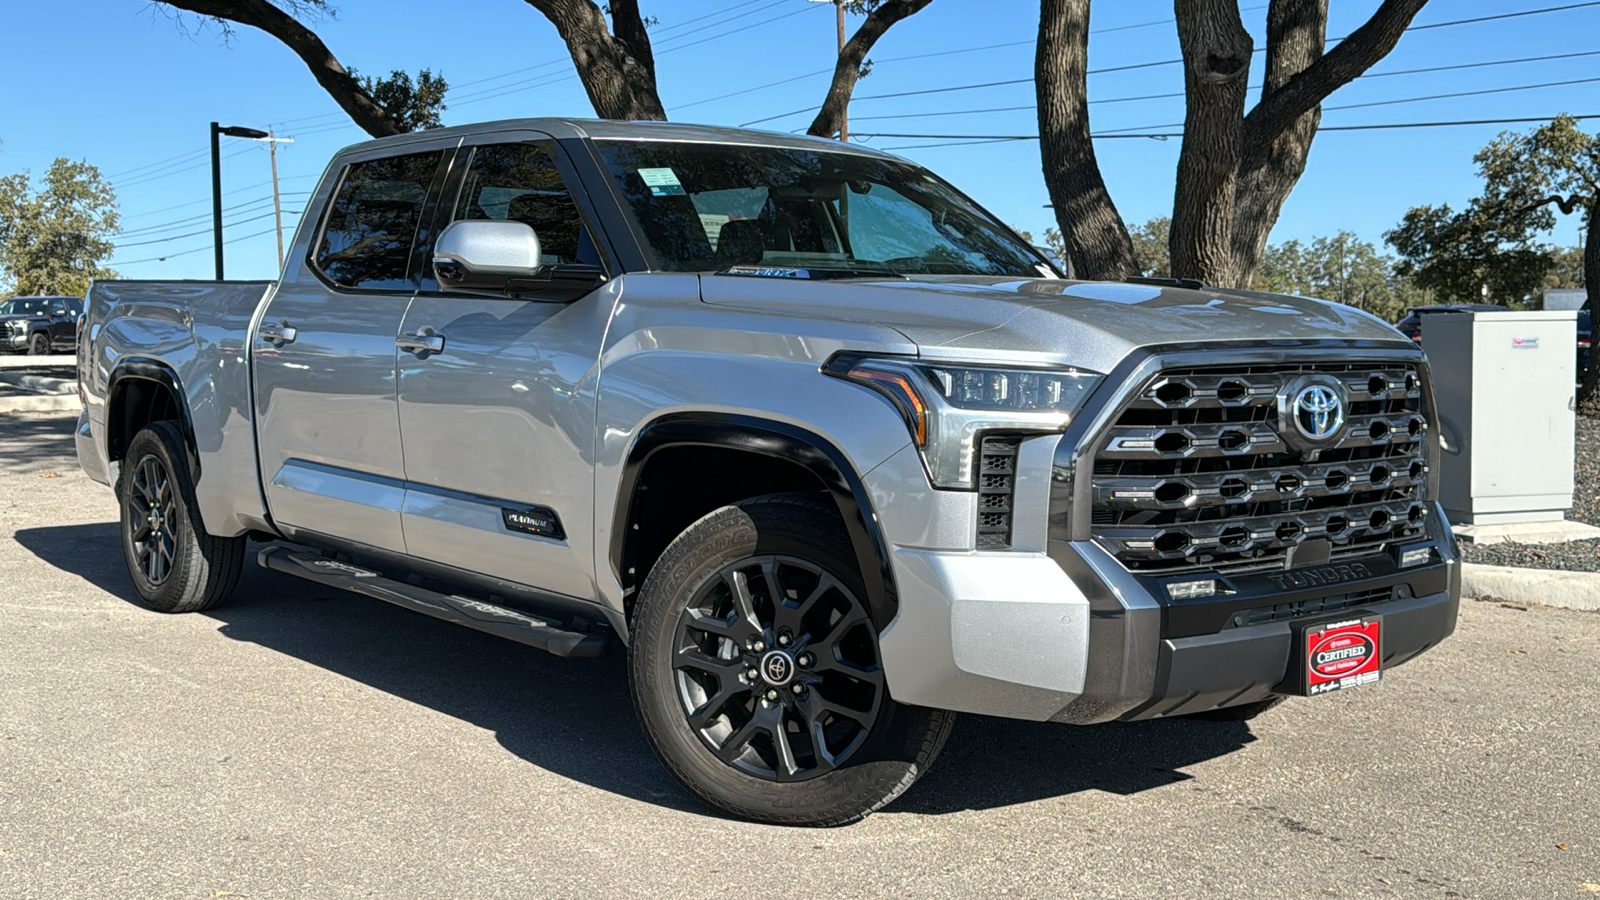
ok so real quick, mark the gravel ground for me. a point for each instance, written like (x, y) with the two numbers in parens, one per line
(1574, 556)
(297, 742)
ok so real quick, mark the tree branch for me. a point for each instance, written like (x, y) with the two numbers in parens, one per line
(1277, 112)
(324, 66)
(618, 71)
(848, 70)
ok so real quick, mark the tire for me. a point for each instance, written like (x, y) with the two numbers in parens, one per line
(174, 564)
(1244, 712)
(39, 344)
(871, 749)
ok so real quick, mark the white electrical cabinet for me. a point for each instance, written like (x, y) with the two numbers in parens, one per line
(1505, 384)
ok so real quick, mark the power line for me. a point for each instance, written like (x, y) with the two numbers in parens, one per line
(998, 138)
(752, 12)
(179, 237)
(182, 156)
(1480, 65)
(191, 220)
(1514, 15)
(134, 262)
(248, 187)
(1477, 93)
(199, 165)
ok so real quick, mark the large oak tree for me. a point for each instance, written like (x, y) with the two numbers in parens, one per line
(1237, 166)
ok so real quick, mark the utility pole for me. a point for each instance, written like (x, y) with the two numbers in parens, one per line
(277, 202)
(844, 116)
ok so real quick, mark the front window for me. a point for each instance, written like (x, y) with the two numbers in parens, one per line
(710, 207)
(28, 307)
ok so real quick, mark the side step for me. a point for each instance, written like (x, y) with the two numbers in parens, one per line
(497, 620)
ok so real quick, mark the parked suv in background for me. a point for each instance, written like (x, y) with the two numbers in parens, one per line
(40, 325)
(828, 449)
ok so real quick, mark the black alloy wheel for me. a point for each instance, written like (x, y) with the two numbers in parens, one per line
(777, 668)
(39, 345)
(757, 673)
(152, 503)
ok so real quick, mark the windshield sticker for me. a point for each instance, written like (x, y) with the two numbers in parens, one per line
(662, 182)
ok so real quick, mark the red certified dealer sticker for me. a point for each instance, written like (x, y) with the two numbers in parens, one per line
(1343, 654)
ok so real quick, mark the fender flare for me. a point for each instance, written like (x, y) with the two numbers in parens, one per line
(783, 441)
(140, 368)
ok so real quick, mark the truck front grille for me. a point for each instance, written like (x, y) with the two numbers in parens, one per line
(1196, 475)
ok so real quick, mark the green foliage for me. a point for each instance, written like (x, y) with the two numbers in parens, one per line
(1566, 269)
(56, 238)
(1343, 269)
(1491, 250)
(413, 105)
(1150, 247)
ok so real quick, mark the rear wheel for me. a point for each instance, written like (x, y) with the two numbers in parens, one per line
(756, 673)
(39, 344)
(174, 564)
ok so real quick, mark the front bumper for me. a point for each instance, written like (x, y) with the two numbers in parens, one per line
(1072, 636)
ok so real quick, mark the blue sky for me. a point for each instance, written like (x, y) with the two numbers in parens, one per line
(123, 86)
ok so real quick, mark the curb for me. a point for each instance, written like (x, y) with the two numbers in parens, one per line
(39, 403)
(39, 384)
(1540, 587)
(51, 361)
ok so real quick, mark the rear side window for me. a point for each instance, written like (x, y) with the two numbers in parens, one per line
(372, 221)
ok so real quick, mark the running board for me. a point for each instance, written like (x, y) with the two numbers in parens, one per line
(497, 620)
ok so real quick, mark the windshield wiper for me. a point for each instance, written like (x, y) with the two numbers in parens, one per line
(812, 273)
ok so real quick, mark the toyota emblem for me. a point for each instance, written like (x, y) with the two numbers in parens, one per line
(1318, 412)
(777, 668)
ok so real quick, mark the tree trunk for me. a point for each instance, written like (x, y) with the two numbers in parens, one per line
(1589, 392)
(1296, 31)
(1216, 54)
(333, 77)
(1097, 241)
(618, 71)
(848, 70)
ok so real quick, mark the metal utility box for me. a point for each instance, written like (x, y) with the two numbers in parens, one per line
(1506, 385)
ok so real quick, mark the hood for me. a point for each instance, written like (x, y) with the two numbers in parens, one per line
(20, 317)
(1089, 324)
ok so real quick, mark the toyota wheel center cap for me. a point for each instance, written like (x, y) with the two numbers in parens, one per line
(777, 668)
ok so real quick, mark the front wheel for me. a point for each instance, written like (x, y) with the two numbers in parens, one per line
(756, 674)
(39, 344)
(176, 566)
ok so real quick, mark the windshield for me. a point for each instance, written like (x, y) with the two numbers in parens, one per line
(24, 307)
(710, 207)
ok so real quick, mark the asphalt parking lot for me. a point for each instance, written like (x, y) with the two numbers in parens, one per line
(299, 743)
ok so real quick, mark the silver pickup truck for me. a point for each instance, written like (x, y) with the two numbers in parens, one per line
(829, 450)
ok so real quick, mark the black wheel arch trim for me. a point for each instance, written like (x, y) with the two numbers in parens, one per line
(783, 441)
(139, 368)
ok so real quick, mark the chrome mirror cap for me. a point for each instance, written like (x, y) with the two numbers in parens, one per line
(469, 250)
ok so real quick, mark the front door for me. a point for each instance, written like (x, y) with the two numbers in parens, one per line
(498, 424)
(324, 358)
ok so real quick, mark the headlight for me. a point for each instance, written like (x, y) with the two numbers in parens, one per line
(946, 407)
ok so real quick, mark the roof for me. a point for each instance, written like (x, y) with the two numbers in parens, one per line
(609, 129)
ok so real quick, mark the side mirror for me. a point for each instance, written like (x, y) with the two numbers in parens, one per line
(477, 255)
(504, 258)
(59, 311)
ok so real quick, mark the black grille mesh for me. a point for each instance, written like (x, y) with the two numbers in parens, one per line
(997, 481)
(1196, 477)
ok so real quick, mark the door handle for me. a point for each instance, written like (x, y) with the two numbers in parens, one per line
(423, 343)
(277, 333)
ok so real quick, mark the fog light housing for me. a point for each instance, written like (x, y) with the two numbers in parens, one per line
(1415, 556)
(1192, 590)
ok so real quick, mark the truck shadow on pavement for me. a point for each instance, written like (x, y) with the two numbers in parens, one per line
(575, 718)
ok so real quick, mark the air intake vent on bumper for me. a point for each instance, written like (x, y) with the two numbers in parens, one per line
(997, 481)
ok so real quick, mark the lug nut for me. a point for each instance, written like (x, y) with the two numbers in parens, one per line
(806, 659)
(772, 695)
(758, 646)
(783, 640)
(751, 674)
(799, 689)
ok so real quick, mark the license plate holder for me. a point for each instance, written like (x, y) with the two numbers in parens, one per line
(1337, 654)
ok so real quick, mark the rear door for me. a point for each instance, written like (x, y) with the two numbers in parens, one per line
(498, 425)
(324, 353)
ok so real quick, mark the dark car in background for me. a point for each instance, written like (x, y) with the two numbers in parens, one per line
(40, 325)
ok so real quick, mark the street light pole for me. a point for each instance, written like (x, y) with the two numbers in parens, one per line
(216, 180)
